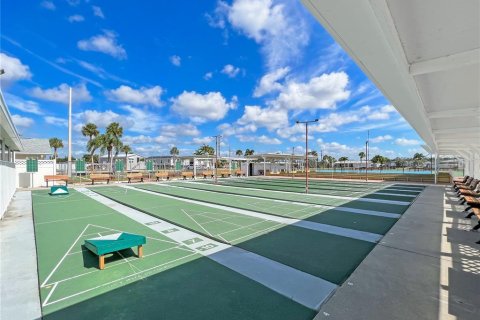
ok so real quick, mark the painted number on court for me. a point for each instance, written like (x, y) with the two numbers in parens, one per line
(151, 223)
(170, 230)
(192, 241)
(206, 247)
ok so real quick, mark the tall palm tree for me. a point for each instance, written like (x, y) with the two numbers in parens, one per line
(239, 152)
(126, 149)
(93, 145)
(361, 155)
(249, 152)
(56, 144)
(90, 130)
(174, 152)
(111, 140)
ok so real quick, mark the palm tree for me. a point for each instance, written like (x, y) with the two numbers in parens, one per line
(126, 149)
(90, 130)
(361, 155)
(205, 150)
(418, 159)
(239, 153)
(174, 152)
(249, 152)
(111, 140)
(93, 145)
(343, 159)
(56, 144)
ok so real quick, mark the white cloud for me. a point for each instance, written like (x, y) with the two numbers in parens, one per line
(407, 142)
(97, 12)
(230, 70)
(136, 139)
(202, 107)
(145, 96)
(49, 5)
(142, 121)
(270, 118)
(22, 105)
(101, 118)
(204, 140)
(208, 76)
(228, 129)
(76, 18)
(388, 108)
(279, 29)
(135, 119)
(14, 69)
(174, 130)
(61, 122)
(105, 43)
(263, 139)
(176, 60)
(319, 93)
(382, 113)
(60, 94)
(269, 82)
(20, 121)
(381, 138)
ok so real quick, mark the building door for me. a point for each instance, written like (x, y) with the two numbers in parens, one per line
(250, 169)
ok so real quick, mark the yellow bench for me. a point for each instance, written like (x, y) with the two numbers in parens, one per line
(207, 174)
(100, 177)
(162, 174)
(56, 178)
(187, 174)
(135, 176)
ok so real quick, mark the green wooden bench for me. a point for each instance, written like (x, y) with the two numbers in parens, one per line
(114, 242)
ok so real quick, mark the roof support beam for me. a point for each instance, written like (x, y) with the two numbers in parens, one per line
(445, 63)
(452, 112)
(461, 131)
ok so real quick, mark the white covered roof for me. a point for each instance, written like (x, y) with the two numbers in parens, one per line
(424, 55)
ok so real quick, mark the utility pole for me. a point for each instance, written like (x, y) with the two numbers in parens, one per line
(291, 160)
(69, 166)
(306, 150)
(217, 149)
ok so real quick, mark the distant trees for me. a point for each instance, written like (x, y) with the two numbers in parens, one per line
(205, 150)
(249, 152)
(361, 155)
(56, 144)
(418, 159)
(239, 153)
(111, 141)
(328, 161)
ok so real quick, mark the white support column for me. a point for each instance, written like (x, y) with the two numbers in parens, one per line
(194, 168)
(436, 167)
(248, 168)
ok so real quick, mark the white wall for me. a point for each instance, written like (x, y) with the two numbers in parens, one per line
(7, 185)
(25, 179)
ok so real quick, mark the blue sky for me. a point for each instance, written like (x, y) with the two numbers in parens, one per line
(179, 72)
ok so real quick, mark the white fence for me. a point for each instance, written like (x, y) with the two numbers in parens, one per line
(7, 185)
(34, 179)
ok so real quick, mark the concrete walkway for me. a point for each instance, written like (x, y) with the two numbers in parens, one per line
(18, 265)
(426, 267)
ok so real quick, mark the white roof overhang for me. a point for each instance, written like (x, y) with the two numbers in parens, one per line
(8, 132)
(423, 55)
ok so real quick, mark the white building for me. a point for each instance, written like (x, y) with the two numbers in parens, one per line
(9, 143)
(34, 149)
(134, 161)
(40, 150)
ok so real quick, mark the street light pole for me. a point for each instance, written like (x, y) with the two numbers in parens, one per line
(217, 137)
(306, 150)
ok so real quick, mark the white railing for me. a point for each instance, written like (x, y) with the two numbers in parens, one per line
(35, 179)
(7, 184)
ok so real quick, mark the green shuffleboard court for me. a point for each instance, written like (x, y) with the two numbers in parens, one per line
(169, 282)
(317, 199)
(299, 188)
(328, 256)
(361, 222)
(324, 236)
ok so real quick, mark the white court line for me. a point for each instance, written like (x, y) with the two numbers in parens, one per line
(117, 280)
(64, 256)
(345, 232)
(62, 220)
(304, 288)
(324, 196)
(328, 207)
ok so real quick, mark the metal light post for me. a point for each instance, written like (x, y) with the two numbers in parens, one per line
(306, 150)
(366, 156)
(217, 145)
